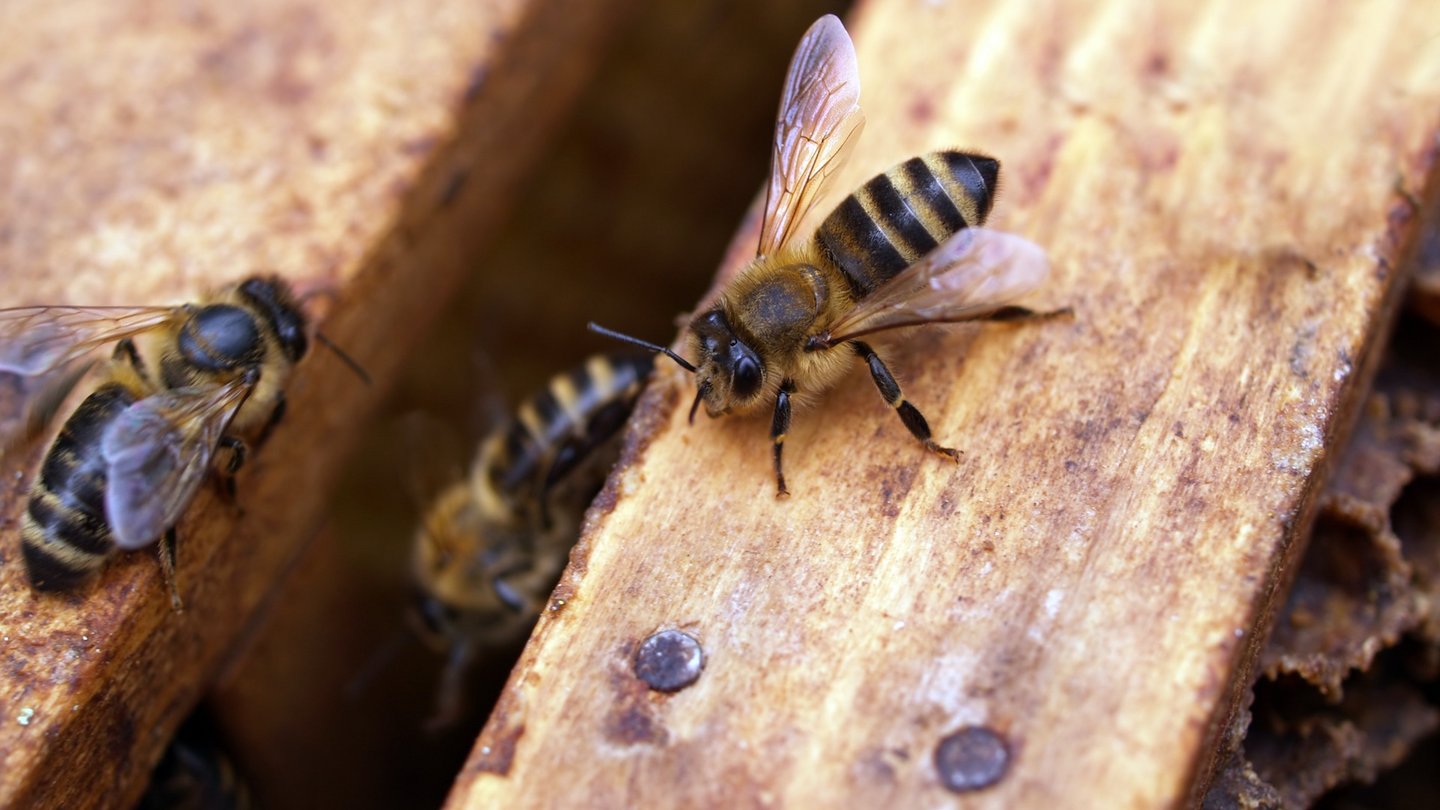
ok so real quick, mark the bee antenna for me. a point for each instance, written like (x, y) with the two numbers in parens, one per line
(600, 330)
(349, 361)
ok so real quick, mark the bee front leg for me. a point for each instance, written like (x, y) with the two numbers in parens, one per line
(125, 351)
(778, 428)
(890, 390)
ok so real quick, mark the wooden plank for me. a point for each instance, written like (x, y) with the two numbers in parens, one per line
(150, 153)
(1219, 189)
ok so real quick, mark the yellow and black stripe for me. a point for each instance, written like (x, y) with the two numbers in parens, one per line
(557, 429)
(65, 536)
(897, 217)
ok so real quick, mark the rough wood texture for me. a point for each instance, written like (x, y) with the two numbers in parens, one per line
(150, 152)
(1340, 696)
(1222, 192)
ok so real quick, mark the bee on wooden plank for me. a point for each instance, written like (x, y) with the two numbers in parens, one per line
(491, 547)
(904, 249)
(183, 383)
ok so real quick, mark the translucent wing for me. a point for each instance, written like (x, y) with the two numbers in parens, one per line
(29, 402)
(818, 123)
(972, 274)
(34, 340)
(158, 451)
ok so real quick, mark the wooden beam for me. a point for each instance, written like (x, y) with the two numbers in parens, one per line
(1220, 189)
(148, 153)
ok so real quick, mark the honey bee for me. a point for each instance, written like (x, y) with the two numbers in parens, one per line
(491, 547)
(197, 771)
(183, 383)
(904, 249)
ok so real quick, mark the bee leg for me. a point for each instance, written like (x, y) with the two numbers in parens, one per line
(503, 563)
(1014, 313)
(779, 426)
(125, 350)
(275, 416)
(450, 703)
(166, 550)
(238, 453)
(890, 390)
(569, 454)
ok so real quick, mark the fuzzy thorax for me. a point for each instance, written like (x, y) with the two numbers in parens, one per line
(769, 312)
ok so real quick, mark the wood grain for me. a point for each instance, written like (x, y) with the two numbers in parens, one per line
(1220, 190)
(149, 152)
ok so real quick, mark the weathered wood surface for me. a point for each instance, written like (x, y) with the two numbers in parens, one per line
(148, 153)
(1223, 193)
(1339, 702)
(1340, 694)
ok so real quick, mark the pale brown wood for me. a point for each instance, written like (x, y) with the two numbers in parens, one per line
(1220, 190)
(148, 153)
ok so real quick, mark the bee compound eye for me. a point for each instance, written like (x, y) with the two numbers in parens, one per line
(747, 376)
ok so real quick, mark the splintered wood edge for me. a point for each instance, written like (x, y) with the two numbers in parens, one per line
(403, 199)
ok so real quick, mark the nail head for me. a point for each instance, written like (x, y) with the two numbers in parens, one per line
(973, 758)
(669, 661)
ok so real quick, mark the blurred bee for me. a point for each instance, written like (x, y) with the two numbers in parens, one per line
(183, 382)
(902, 250)
(491, 547)
(196, 772)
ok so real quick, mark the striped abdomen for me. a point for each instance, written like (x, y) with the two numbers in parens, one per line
(559, 428)
(65, 537)
(899, 216)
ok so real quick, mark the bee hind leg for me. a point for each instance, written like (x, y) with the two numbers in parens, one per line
(1014, 313)
(779, 426)
(909, 414)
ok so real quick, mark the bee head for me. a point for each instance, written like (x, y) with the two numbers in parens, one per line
(272, 300)
(730, 373)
